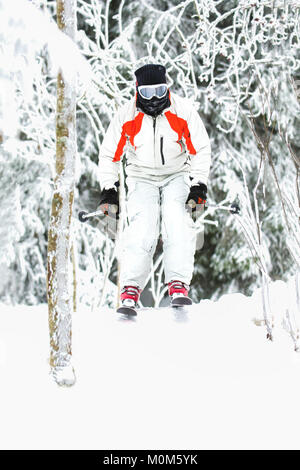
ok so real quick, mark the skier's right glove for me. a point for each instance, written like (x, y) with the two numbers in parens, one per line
(109, 202)
(197, 195)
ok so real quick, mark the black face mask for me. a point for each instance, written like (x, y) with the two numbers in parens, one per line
(153, 107)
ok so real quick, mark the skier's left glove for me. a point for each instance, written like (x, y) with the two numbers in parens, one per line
(109, 202)
(197, 195)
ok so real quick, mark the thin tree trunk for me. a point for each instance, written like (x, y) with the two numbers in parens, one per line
(59, 288)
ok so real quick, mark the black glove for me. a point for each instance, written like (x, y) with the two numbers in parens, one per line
(197, 195)
(109, 202)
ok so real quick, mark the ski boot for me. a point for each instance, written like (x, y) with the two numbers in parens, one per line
(129, 299)
(178, 292)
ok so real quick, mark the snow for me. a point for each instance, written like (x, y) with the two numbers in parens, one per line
(203, 379)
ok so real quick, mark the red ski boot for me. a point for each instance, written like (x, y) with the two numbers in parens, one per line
(129, 299)
(178, 291)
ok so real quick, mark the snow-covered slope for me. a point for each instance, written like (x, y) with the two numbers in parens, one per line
(207, 378)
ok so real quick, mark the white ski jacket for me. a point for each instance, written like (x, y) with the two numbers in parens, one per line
(174, 142)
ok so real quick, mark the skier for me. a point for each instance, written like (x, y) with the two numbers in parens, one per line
(168, 161)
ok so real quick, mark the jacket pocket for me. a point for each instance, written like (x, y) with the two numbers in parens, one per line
(162, 150)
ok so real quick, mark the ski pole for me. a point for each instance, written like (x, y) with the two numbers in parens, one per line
(233, 208)
(83, 216)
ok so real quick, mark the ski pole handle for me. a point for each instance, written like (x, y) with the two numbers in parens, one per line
(113, 208)
(191, 203)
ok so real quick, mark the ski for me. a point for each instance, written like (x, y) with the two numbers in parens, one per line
(181, 301)
(129, 311)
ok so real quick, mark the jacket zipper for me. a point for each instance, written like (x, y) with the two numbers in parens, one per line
(154, 128)
(161, 150)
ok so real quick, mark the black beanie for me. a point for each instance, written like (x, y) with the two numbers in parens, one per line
(151, 74)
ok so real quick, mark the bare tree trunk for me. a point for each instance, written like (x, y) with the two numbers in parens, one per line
(59, 289)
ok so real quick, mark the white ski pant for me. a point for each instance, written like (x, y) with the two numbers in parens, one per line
(151, 206)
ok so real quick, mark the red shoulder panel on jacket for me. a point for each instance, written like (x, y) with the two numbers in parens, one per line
(180, 126)
(129, 129)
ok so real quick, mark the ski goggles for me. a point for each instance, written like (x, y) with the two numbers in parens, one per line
(148, 91)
